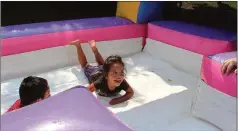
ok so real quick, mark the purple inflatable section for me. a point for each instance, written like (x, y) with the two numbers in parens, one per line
(60, 26)
(197, 30)
(73, 110)
(221, 57)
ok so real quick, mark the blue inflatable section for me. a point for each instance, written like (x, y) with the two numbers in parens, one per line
(60, 26)
(197, 30)
(150, 11)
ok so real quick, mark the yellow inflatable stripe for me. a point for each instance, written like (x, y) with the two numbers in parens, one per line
(128, 10)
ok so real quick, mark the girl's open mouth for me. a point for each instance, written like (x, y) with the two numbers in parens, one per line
(117, 81)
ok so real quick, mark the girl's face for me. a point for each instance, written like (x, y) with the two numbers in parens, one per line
(115, 75)
(47, 94)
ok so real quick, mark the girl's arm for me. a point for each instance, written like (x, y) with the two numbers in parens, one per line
(91, 87)
(127, 96)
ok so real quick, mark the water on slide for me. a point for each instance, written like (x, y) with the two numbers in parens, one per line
(162, 99)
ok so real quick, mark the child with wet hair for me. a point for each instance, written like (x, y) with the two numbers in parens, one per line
(32, 89)
(108, 77)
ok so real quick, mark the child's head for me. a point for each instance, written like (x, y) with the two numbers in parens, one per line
(114, 69)
(33, 89)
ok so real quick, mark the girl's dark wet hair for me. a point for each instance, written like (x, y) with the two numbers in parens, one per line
(31, 89)
(110, 61)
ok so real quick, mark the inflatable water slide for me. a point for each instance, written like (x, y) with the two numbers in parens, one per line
(173, 67)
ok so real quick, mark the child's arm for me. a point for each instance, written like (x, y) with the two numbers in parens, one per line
(127, 96)
(91, 87)
(229, 66)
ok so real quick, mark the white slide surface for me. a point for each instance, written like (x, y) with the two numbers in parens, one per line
(179, 58)
(215, 107)
(163, 94)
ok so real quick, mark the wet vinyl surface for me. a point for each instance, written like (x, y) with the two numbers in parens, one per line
(162, 99)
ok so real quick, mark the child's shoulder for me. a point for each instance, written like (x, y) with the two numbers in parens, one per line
(124, 85)
(15, 106)
(99, 80)
(97, 76)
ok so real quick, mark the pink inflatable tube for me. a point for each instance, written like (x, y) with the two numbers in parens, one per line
(23, 44)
